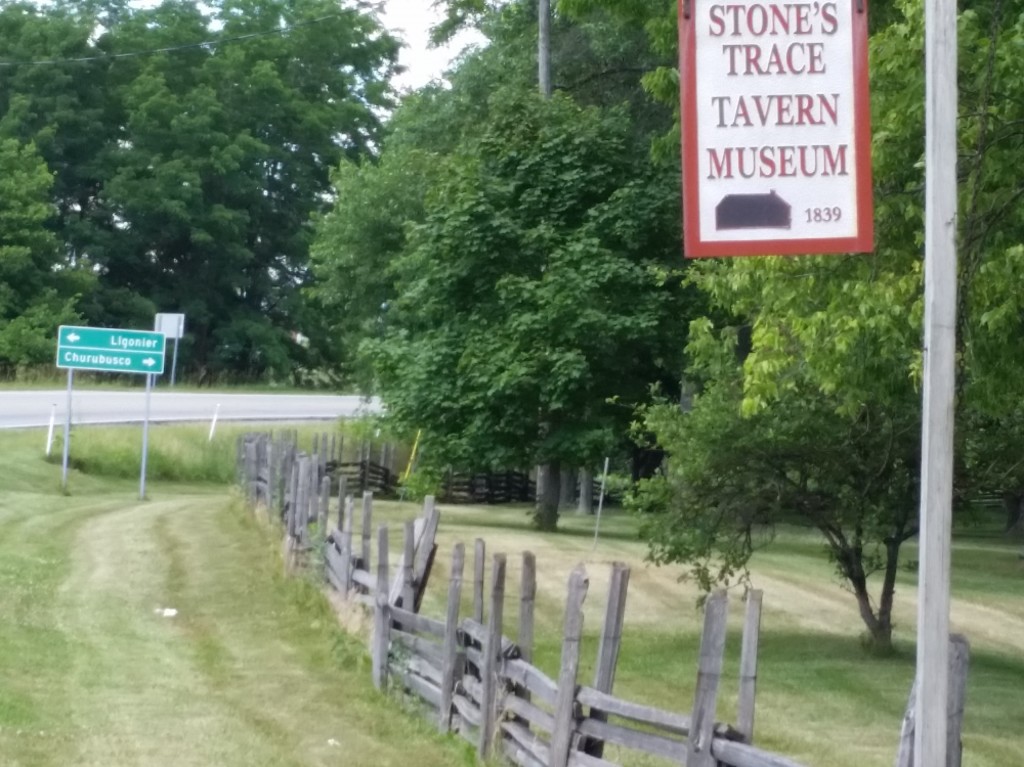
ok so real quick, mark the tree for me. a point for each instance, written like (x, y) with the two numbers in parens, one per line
(191, 144)
(356, 243)
(536, 290)
(225, 156)
(601, 225)
(34, 297)
(733, 478)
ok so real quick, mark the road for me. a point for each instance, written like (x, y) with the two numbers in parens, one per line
(22, 409)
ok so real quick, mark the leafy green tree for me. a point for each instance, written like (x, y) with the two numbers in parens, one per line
(356, 244)
(34, 296)
(367, 268)
(537, 289)
(224, 158)
(191, 143)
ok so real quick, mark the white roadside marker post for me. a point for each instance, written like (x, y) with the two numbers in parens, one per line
(213, 423)
(49, 431)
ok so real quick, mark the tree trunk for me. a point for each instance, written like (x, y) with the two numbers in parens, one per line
(586, 505)
(545, 515)
(1013, 503)
(878, 621)
(567, 488)
(879, 625)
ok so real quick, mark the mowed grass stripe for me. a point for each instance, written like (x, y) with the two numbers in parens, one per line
(252, 670)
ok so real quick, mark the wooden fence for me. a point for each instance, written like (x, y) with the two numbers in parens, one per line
(482, 685)
(488, 487)
(365, 466)
(298, 489)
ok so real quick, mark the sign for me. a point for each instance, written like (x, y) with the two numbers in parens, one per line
(110, 349)
(173, 328)
(775, 127)
(171, 325)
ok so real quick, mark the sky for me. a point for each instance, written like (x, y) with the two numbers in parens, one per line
(411, 20)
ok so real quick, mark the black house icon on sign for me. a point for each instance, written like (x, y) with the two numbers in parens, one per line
(753, 211)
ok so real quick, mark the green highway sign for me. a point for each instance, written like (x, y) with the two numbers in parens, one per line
(110, 349)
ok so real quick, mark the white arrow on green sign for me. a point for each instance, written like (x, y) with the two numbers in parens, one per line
(110, 349)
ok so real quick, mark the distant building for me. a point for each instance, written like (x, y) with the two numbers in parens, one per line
(753, 211)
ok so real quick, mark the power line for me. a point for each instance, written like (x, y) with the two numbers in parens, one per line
(169, 49)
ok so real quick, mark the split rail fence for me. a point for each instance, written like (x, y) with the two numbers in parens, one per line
(298, 489)
(483, 685)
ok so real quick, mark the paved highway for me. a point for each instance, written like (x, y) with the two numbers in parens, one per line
(22, 409)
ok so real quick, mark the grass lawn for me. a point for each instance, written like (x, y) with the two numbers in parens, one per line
(822, 700)
(251, 670)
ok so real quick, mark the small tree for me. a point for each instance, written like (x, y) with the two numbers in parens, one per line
(732, 479)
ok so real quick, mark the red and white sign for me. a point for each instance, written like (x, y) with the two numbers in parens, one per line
(775, 127)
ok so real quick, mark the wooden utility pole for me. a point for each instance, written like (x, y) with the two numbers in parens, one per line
(930, 742)
(544, 47)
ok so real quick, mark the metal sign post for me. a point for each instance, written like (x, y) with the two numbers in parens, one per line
(112, 350)
(145, 440)
(67, 435)
(930, 736)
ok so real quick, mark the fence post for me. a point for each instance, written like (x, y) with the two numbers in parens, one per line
(364, 465)
(250, 470)
(478, 580)
(301, 501)
(325, 504)
(293, 491)
(323, 455)
(382, 619)
(382, 585)
(748, 666)
(424, 557)
(712, 647)
(408, 553)
(365, 530)
(346, 546)
(342, 493)
(527, 597)
(309, 508)
(451, 639)
(959, 659)
(270, 454)
(565, 701)
(611, 642)
(491, 656)
(290, 480)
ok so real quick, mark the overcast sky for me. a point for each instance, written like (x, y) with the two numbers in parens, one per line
(411, 20)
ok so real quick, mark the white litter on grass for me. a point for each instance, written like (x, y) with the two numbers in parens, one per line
(332, 742)
(167, 612)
